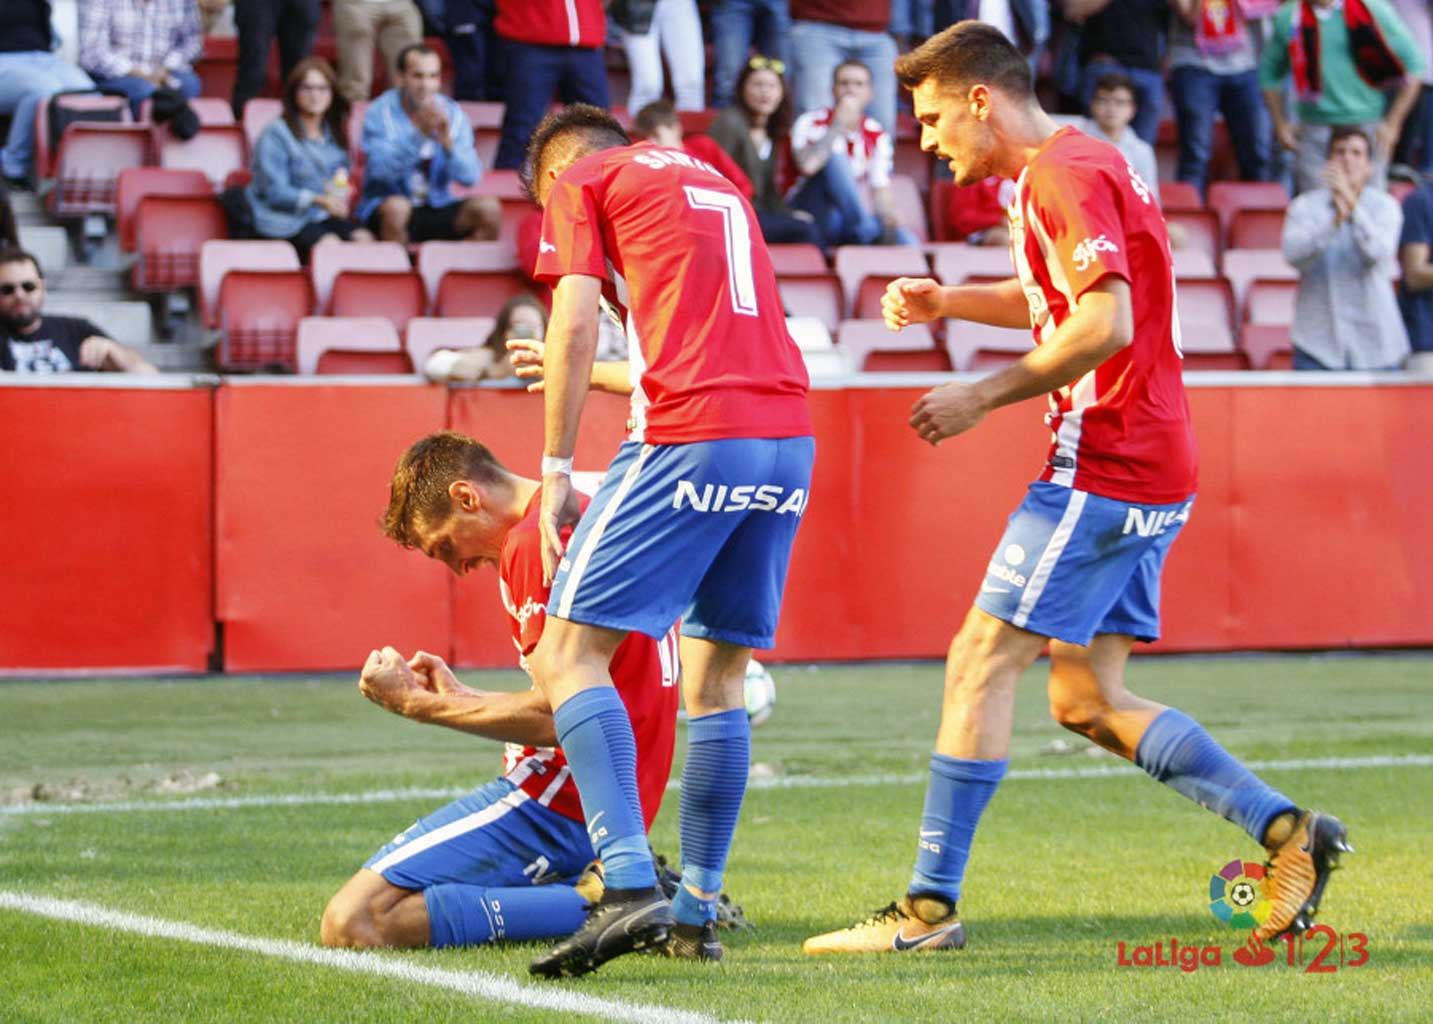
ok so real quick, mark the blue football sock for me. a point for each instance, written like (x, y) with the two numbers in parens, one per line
(469, 915)
(596, 735)
(713, 784)
(1177, 751)
(956, 795)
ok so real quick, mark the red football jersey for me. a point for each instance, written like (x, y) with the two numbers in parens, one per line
(552, 22)
(711, 357)
(644, 671)
(1123, 430)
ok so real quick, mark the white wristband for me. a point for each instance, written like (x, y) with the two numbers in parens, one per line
(552, 464)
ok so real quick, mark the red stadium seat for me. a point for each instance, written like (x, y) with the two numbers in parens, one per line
(469, 293)
(503, 184)
(969, 343)
(137, 183)
(259, 314)
(865, 270)
(435, 259)
(1193, 263)
(486, 142)
(912, 162)
(483, 115)
(218, 66)
(956, 261)
(906, 198)
(1200, 229)
(170, 232)
(1179, 195)
(696, 122)
(258, 112)
(397, 295)
(1267, 346)
(913, 349)
(939, 211)
(797, 258)
(1270, 302)
(219, 258)
(89, 161)
(109, 105)
(216, 150)
(1206, 314)
(1242, 266)
(1227, 197)
(331, 258)
(816, 295)
(1257, 229)
(211, 110)
(355, 344)
(427, 335)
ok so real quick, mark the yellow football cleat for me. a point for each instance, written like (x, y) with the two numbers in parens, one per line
(1298, 872)
(916, 924)
(590, 885)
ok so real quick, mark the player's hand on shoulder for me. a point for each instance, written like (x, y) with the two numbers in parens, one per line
(526, 355)
(946, 411)
(389, 682)
(911, 300)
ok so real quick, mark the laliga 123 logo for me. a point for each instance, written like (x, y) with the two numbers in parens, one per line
(1237, 895)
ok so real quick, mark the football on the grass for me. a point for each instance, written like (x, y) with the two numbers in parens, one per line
(760, 692)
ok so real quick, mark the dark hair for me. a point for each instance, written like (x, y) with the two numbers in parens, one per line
(9, 232)
(1115, 80)
(418, 493)
(852, 62)
(422, 48)
(653, 116)
(778, 125)
(967, 53)
(1349, 131)
(580, 126)
(14, 254)
(498, 335)
(335, 118)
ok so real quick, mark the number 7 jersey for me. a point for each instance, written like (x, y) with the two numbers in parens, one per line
(707, 335)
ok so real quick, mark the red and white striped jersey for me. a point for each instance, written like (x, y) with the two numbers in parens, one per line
(643, 670)
(868, 149)
(1123, 430)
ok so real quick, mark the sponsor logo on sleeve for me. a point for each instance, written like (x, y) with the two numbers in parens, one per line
(543, 245)
(1088, 251)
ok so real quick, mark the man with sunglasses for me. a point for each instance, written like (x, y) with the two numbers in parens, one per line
(31, 343)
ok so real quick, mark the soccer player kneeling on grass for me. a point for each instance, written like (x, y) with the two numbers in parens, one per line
(1079, 565)
(511, 860)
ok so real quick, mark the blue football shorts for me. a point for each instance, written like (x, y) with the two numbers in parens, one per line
(494, 836)
(1072, 565)
(700, 532)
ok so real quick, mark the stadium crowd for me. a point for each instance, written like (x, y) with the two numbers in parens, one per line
(402, 121)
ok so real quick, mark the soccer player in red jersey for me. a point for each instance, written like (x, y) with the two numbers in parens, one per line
(1080, 562)
(696, 517)
(477, 870)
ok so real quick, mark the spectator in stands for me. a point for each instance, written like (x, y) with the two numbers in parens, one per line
(137, 46)
(418, 143)
(755, 133)
(827, 33)
(522, 316)
(1415, 254)
(1415, 145)
(1343, 238)
(31, 343)
(300, 190)
(651, 29)
(1333, 87)
(259, 22)
(467, 27)
(552, 50)
(1026, 23)
(845, 160)
(976, 213)
(1214, 59)
(736, 25)
(9, 231)
(1112, 109)
(394, 24)
(1125, 36)
(30, 73)
(658, 122)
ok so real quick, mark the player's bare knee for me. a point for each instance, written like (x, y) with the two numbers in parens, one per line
(1081, 714)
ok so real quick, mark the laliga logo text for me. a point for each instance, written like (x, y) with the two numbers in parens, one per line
(1187, 958)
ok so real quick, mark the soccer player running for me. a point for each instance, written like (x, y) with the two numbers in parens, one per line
(1079, 565)
(698, 511)
(511, 859)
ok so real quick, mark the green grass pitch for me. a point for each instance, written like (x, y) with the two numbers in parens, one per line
(1065, 867)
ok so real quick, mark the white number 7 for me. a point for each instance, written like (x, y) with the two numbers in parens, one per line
(738, 244)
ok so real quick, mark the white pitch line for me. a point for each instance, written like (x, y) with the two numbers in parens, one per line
(778, 782)
(491, 987)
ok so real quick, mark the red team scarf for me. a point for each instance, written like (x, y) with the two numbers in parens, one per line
(1221, 24)
(1374, 60)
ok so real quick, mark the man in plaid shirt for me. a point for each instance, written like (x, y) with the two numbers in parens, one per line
(138, 46)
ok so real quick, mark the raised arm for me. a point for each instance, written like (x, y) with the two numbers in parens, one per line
(912, 300)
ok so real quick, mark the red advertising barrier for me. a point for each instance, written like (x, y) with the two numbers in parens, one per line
(305, 580)
(140, 518)
(106, 548)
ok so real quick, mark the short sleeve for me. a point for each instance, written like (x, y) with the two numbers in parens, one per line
(524, 594)
(1079, 212)
(571, 241)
